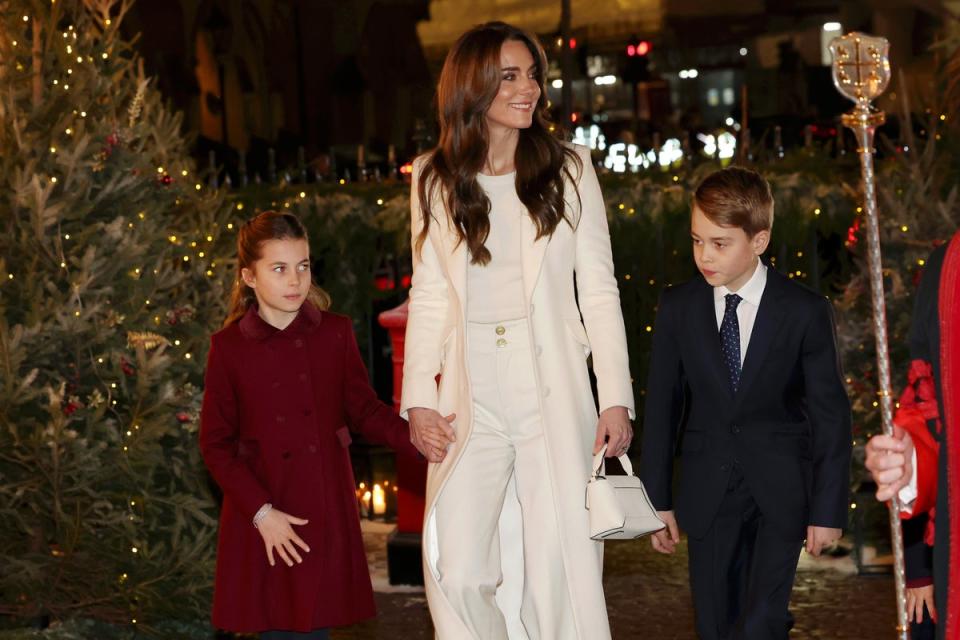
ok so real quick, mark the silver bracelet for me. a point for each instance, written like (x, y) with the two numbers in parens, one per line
(261, 514)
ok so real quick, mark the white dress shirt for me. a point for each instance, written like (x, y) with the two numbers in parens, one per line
(751, 293)
(495, 290)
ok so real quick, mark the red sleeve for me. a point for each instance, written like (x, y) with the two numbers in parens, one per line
(918, 406)
(219, 435)
(376, 421)
(927, 460)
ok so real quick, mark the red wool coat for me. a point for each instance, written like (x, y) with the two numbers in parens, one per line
(277, 409)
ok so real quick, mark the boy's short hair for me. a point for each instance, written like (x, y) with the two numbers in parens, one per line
(736, 197)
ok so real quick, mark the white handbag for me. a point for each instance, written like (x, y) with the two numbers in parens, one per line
(619, 506)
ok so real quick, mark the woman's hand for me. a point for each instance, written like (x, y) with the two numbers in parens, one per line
(277, 533)
(916, 599)
(613, 426)
(431, 433)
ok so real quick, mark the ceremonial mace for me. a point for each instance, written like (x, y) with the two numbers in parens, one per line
(861, 72)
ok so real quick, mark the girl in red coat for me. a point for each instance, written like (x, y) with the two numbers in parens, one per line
(284, 385)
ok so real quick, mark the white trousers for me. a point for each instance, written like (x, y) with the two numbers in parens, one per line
(506, 453)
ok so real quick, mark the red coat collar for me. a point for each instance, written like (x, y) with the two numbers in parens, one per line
(256, 328)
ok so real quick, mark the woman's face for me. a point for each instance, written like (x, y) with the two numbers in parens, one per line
(519, 92)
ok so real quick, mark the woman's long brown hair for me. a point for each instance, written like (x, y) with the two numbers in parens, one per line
(469, 82)
(268, 225)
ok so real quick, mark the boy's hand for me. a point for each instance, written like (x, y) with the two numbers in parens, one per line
(613, 427)
(916, 599)
(820, 537)
(431, 433)
(666, 540)
(890, 461)
(277, 533)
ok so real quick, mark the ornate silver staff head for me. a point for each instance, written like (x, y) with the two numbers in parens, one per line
(861, 66)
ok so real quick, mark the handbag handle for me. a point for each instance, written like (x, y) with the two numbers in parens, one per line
(600, 463)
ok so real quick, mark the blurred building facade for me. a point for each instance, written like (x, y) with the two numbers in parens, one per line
(702, 54)
(330, 75)
(319, 74)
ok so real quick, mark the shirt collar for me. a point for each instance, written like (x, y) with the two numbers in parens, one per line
(256, 328)
(752, 292)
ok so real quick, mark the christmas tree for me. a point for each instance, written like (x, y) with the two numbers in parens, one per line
(111, 280)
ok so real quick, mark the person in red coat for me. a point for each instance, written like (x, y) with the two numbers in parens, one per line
(920, 462)
(284, 386)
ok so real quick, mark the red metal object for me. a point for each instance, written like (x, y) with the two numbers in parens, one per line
(411, 474)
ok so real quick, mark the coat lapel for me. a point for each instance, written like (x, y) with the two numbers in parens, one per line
(457, 256)
(769, 320)
(705, 322)
(532, 251)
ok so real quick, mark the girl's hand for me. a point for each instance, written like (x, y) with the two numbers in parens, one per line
(916, 599)
(613, 426)
(277, 534)
(431, 433)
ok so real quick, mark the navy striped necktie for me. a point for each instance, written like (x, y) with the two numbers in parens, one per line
(730, 340)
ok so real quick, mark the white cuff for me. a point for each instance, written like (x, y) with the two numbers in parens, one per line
(908, 494)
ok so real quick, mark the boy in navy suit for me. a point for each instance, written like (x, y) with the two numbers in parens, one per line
(745, 361)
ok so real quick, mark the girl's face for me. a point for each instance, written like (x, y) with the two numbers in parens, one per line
(519, 92)
(280, 279)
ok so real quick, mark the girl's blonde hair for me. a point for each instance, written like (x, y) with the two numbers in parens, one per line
(269, 225)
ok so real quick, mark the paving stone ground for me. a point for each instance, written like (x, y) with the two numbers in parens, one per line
(648, 599)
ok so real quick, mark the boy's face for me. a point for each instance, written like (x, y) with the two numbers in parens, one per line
(725, 256)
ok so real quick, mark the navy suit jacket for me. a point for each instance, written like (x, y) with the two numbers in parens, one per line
(787, 428)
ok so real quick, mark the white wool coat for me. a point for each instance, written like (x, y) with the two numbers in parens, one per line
(435, 344)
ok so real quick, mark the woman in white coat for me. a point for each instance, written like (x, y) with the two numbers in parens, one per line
(509, 232)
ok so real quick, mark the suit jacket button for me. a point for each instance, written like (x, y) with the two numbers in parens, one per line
(724, 468)
(735, 429)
